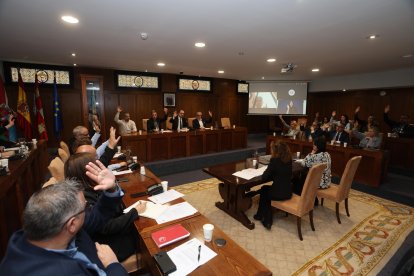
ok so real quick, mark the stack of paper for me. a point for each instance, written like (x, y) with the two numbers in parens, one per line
(152, 210)
(165, 197)
(176, 211)
(250, 173)
(122, 172)
(185, 256)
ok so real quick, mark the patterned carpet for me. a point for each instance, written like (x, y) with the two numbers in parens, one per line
(361, 245)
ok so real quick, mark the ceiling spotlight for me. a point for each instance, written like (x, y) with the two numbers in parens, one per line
(144, 36)
(73, 54)
(407, 56)
(373, 36)
(70, 19)
(161, 64)
(200, 44)
(74, 64)
(271, 60)
(315, 70)
(262, 78)
(220, 71)
(344, 90)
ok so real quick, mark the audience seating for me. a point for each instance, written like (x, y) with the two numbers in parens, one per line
(56, 169)
(339, 193)
(303, 204)
(225, 122)
(144, 124)
(65, 147)
(168, 124)
(63, 155)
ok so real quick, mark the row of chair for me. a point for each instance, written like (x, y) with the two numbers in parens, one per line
(303, 204)
(225, 122)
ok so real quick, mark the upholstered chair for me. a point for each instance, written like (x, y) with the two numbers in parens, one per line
(225, 122)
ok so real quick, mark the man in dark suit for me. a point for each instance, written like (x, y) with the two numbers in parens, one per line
(55, 235)
(154, 123)
(340, 135)
(402, 127)
(200, 122)
(179, 121)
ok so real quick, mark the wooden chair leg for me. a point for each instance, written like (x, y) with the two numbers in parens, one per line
(299, 219)
(337, 212)
(311, 220)
(322, 201)
(346, 207)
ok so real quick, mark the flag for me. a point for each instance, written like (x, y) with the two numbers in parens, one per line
(57, 114)
(3, 95)
(40, 117)
(23, 113)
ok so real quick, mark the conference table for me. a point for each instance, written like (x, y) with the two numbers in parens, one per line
(231, 259)
(172, 144)
(372, 169)
(234, 190)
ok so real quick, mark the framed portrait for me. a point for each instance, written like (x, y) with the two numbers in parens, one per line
(169, 99)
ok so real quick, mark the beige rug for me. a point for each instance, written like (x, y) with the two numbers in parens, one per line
(361, 245)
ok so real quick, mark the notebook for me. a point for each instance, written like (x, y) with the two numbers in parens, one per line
(169, 235)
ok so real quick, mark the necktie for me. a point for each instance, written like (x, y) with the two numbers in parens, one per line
(338, 135)
(179, 123)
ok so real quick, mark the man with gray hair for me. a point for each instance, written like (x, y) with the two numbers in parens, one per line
(55, 240)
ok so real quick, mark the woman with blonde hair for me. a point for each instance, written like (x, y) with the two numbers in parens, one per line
(279, 171)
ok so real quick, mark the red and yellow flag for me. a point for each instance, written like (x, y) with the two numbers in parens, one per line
(40, 117)
(23, 113)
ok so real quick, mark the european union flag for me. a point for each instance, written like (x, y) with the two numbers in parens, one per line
(57, 113)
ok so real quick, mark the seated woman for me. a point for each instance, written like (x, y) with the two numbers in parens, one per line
(118, 233)
(279, 171)
(317, 156)
(369, 140)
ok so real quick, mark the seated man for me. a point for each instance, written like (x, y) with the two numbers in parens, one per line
(313, 131)
(200, 122)
(56, 227)
(340, 135)
(4, 140)
(179, 121)
(369, 140)
(292, 128)
(80, 132)
(154, 123)
(126, 125)
(402, 127)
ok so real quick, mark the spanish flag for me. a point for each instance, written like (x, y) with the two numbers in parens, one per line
(23, 113)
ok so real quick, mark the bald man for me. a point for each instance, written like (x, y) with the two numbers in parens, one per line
(91, 149)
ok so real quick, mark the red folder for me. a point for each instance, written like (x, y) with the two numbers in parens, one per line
(169, 235)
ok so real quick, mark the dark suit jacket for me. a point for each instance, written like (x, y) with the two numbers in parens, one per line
(281, 174)
(343, 138)
(174, 122)
(23, 258)
(151, 125)
(196, 124)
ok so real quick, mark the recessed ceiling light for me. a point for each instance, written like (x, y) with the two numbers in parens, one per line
(262, 78)
(220, 71)
(407, 56)
(373, 36)
(200, 44)
(74, 64)
(271, 60)
(73, 54)
(161, 64)
(315, 70)
(344, 90)
(70, 19)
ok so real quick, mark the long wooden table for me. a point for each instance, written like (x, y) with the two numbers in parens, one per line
(233, 189)
(371, 171)
(168, 145)
(25, 177)
(231, 259)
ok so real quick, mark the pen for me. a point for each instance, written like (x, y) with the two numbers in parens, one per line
(199, 251)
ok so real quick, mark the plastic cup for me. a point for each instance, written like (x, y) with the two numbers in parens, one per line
(234, 126)
(142, 170)
(298, 154)
(140, 132)
(254, 163)
(119, 149)
(164, 185)
(211, 128)
(332, 142)
(4, 162)
(389, 134)
(162, 130)
(274, 133)
(345, 145)
(208, 232)
(134, 159)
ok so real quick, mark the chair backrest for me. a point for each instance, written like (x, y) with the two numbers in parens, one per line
(144, 124)
(307, 198)
(65, 147)
(63, 155)
(347, 178)
(168, 124)
(190, 122)
(225, 122)
(56, 169)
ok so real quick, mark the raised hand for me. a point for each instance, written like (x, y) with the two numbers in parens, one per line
(113, 141)
(333, 113)
(387, 108)
(210, 113)
(119, 108)
(175, 113)
(357, 109)
(101, 175)
(165, 110)
(105, 254)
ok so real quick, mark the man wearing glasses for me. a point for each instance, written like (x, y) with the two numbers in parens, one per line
(54, 239)
(178, 121)
(200, 122)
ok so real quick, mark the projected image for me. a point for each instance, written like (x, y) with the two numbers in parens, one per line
(283, 98)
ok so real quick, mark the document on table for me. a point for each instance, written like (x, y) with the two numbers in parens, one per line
(176, 211)
(250, 173)
(152, 210)
(185, 256)
(122, 172)
(165, 197)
